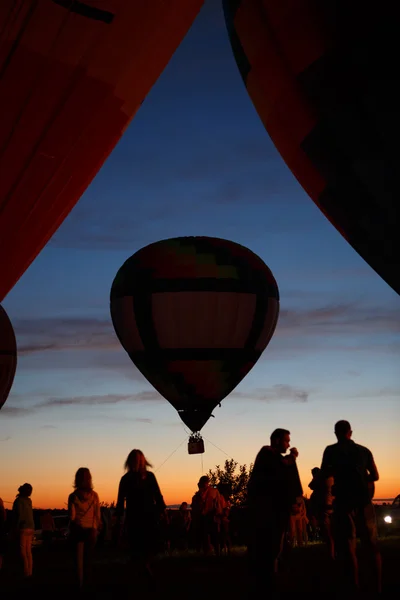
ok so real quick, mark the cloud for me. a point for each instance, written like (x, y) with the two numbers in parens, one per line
(71, 333)
(6, 439)
(98, 400)
(16, 411)
(278, 392)
(51, 334)
(339, 319)
(73, 343)
(107, 399)
(48, 427)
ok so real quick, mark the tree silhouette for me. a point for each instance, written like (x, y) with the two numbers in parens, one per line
(236, 478)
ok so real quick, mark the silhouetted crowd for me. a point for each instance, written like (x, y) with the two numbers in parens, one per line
(277, 515)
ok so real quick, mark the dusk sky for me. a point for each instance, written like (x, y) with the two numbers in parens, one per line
(196, 160)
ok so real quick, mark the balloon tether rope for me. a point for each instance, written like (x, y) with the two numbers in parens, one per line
(172, 453)
(220, 449)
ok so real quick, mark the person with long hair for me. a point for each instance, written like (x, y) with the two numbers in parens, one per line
(140, 494)
(84, 513)
(298, 523)
(24, 525)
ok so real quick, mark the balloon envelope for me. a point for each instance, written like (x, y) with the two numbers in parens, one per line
(8, 356)
(194, 314)
(325, 80)
(72, 76)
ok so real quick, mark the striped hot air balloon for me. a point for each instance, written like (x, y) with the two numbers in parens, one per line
(324, 78)
(8, 356)
(194, 314)
(72, 76)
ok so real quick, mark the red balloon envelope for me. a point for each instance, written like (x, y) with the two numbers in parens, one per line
(8, 356)
(72, 76)
(325, 80)
(194, 314)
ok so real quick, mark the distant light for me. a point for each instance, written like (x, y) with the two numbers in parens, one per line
(388, 519)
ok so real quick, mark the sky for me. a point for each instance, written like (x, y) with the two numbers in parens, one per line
(196, 160)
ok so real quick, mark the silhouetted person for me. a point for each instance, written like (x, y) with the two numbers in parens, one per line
(225, 538)
(354, 472)
(85, 521)
(48, 527)
(272, 490)
(139, 490)
(24, 525)
(182, 523)
(320, 506)
(165, 530)
(298, 523)
(206, 513)
(105, 533)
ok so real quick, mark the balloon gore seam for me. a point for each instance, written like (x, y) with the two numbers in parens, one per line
(90, 12)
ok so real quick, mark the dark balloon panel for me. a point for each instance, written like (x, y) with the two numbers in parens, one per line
(8, 356)
(325, 80)
(194, 315)
(72, 76)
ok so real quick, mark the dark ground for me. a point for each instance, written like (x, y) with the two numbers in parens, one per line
(306, 574)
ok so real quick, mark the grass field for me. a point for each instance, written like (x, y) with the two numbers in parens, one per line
(306, 573)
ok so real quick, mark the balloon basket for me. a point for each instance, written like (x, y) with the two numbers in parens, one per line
(196, 444)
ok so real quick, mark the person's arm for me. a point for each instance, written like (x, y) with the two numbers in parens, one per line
(15, 516)
(290, 459)
(373, 474)
(97, 512)
(71, 507)
(159, 500)
(119, 509)
(218, 504)
(326, 478)
(328, 494)
(326, 464)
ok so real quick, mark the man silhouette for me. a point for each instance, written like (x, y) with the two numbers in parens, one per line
(354, 472)
(272, 490)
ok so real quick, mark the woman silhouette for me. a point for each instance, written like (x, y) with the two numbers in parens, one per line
(24, 525)
(139, 491)
(84, 512)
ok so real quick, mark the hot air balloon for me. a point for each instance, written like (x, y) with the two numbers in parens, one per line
(72, 76)
(8, 356)
(194, 314)
(325, 81)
